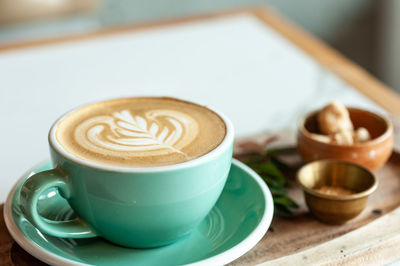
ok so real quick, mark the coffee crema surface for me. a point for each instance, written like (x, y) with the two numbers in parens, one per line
(140, 132)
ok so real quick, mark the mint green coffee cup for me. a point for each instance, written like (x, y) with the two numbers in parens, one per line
(140, 207)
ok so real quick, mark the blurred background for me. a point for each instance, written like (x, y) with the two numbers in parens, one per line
(365, 31)
(237, 64)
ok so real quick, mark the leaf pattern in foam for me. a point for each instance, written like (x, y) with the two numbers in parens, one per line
(144, 135)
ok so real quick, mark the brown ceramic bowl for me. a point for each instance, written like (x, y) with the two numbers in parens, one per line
(336, 209)
(372, 154)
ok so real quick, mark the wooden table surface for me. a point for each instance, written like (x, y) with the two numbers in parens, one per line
(385, 243)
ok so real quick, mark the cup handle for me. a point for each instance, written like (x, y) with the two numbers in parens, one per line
(33, 187)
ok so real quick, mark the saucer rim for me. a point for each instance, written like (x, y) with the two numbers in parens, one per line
(220, 259)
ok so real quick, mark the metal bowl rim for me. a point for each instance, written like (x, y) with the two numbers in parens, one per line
(358, 195)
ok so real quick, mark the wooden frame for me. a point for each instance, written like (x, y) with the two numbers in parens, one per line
(326, 56)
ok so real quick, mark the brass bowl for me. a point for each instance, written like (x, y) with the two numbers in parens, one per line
(336, 209)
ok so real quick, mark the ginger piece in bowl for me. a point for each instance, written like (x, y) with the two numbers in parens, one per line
(321, 138)
(336, 126)
(343, 138)
(361, 135)
(334, 118)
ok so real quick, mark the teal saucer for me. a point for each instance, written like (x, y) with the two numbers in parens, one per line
(237, 222)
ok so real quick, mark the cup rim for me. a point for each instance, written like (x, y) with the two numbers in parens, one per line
(365, 193)
(224, 145)
(388, 132)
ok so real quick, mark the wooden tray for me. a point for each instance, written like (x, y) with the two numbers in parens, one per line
(288, 237)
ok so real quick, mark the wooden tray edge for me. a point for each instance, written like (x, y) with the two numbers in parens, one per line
(375, 243)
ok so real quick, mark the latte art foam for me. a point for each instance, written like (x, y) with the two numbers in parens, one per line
(156, 132)
(140, 132)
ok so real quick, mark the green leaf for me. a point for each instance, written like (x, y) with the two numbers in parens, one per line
(280, 164)
(283, 211)
(269, 168)
(271, 181)
(278, 191)
(285, 201)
